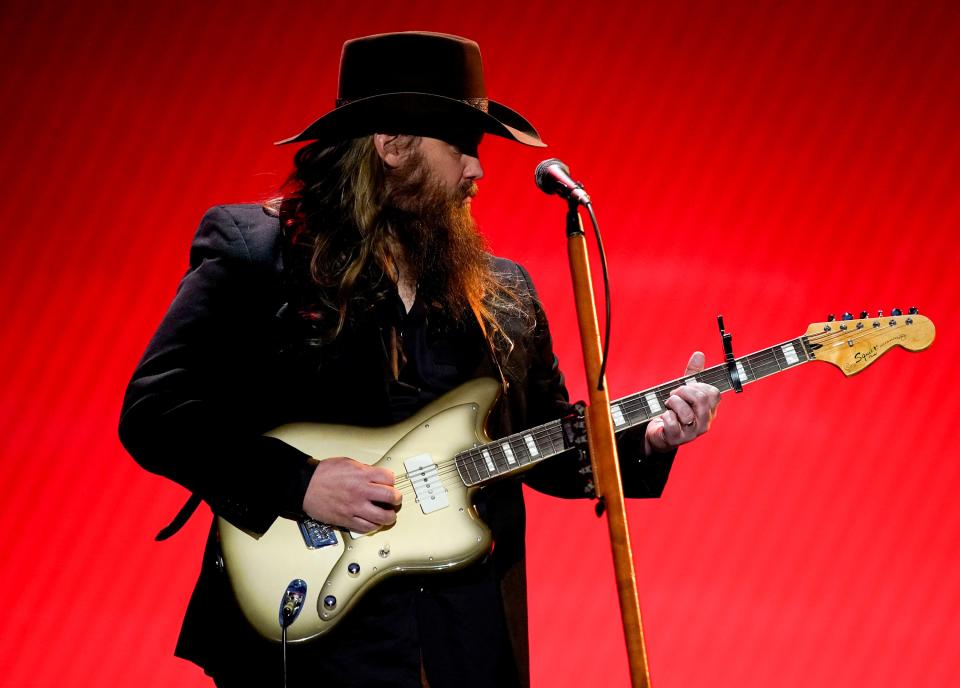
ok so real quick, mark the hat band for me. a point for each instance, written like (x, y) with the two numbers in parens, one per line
(481, 104)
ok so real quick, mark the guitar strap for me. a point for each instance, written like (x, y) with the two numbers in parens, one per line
(186, 511)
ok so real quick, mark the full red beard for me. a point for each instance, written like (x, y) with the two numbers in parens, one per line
(444, 252)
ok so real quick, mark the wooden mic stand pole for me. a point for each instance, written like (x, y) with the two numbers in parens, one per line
(603, 450)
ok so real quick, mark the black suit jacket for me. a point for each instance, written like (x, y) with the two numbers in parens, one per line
(220, 371)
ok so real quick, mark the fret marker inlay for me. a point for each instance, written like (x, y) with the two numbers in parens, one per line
(531, 445)
(508, 452)
(790, 353)
(617, 414)
(489, 459)
(653, 402)
(690, 380)
(743, 373)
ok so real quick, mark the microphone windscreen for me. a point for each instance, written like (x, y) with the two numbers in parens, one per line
(541, 172)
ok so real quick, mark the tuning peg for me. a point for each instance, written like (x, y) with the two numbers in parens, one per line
(831, 317)
(848, 315)
(914, 310)
(864, 314)
(896, 311)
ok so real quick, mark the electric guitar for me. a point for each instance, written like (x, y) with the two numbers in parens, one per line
(442, 455)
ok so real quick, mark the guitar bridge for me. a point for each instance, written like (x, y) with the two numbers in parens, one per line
(316, 534)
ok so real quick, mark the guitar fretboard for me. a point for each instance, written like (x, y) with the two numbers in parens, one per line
(522, 450)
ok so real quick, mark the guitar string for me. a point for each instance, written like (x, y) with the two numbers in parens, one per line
(835, 338)
(857, 333)
(449, 475)
(766, 362)
(760, 364)
(634, 402)
(473, 458)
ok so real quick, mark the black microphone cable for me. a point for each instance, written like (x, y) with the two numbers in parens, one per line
(606, 293)
(553, 177)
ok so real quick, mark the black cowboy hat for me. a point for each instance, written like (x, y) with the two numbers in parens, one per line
(414, 82)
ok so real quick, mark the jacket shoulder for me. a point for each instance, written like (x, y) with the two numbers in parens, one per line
(250, 227)
(515, 276)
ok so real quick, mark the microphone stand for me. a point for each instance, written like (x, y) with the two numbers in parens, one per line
(603, 449)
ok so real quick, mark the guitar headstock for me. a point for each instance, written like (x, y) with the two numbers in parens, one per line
(852, 344)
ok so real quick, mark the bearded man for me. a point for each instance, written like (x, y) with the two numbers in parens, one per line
(358, 296)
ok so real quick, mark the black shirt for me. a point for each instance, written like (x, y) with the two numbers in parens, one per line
(436, 354)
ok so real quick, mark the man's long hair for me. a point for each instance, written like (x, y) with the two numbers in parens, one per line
(341, 232)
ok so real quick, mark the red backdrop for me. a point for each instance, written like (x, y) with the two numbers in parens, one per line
(773, 161)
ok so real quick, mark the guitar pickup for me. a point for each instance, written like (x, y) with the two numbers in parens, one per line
(427, 485)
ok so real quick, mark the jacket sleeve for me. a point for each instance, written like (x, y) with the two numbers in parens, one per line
(186, 414)
(641, 475)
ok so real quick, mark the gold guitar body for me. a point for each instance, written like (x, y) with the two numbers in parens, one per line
(337, 575)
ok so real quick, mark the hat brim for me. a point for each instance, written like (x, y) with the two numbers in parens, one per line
(423, 114)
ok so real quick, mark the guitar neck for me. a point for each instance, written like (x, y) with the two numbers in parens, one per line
(523, 450)
(640, 407)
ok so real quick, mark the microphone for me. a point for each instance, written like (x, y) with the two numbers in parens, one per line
(553, 177)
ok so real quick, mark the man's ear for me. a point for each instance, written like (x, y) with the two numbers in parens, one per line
(391, 149)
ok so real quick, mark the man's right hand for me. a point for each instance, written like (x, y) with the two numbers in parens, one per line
(353, 495)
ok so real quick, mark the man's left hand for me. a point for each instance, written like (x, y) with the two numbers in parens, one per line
(690, 410)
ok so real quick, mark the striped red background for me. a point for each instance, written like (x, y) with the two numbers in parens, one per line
(773, 161)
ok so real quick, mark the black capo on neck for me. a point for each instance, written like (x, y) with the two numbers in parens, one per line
(735, 383)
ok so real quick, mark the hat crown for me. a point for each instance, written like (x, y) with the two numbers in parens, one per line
(411, 62)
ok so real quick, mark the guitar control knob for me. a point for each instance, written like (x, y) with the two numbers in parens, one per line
(864, 314)
(353, 568)
(914, 310)
(831, 317)
(329, 601)
(880, 313)
(848, 315)
(896, 311)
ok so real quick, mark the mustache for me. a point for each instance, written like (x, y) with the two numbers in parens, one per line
(468, 190)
